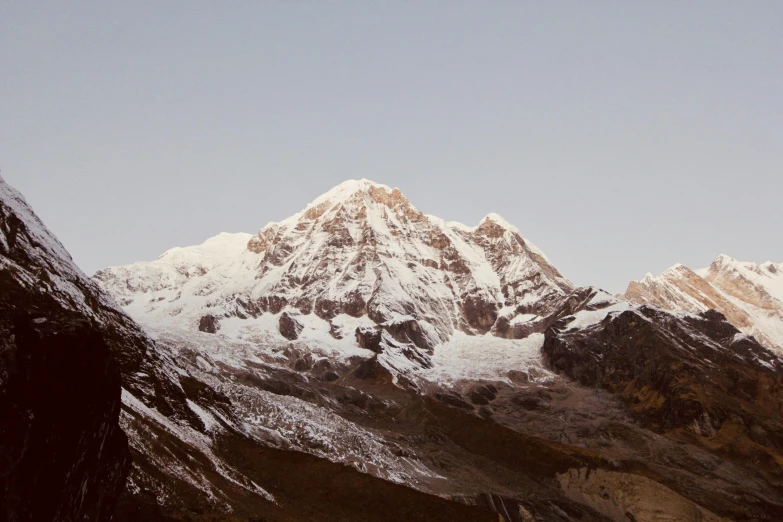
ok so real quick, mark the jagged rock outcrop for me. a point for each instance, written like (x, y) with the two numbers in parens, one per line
(694, 372)
(369, 337)
(209, 324)
(692, 375)
(289, 327)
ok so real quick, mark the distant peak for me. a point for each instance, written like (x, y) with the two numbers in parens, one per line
(358, 184)
(678, 270)
(724, 259)
(498, 220)
(351, 186)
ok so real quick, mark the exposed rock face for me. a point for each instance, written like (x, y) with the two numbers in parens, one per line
(749, 295)
(408, 330)
(62, 453)
(59, 403)
(690, 377)
(695, 372)
(289, 327)
(618, 495)
(370, 338)
(209, 324)
(401, 344)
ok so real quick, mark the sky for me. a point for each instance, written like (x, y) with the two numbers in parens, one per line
(620, 137)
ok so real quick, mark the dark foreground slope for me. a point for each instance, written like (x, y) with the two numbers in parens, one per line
(63, 455)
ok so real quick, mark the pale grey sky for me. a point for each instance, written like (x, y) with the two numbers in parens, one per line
(620, 137)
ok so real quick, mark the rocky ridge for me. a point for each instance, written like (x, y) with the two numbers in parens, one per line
(749, 295)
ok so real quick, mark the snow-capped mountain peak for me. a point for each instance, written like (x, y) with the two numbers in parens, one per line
(748, 294)
(360, 250)
(349, 188)
(498, 220)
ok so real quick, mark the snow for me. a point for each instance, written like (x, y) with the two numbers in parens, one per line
(586, 318)
(345, 190)
(523, 318)
(485, 357)
(223, 246)
(209, 421)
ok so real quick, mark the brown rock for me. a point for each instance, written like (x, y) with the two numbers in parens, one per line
(209, 324)
(289, 326)
(370, 338)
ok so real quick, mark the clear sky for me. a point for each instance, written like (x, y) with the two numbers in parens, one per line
(620, 137)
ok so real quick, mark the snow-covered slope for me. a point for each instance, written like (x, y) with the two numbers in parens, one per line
(361, 250)
(749, 295)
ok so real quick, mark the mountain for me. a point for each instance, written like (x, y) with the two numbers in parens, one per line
(749, 295)
(359, 254)
(448, 370)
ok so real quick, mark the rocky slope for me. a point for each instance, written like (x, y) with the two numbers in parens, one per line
(62, 453)
(749, 295)
(425, 361)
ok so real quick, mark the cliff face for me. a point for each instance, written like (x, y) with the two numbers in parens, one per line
(63, 455)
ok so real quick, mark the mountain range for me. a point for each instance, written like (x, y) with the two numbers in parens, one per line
(361, 360)
(749, 295)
